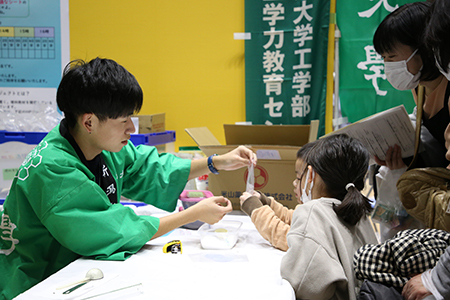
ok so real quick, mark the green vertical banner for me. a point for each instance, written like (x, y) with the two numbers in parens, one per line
(364, 89)
(286, 61)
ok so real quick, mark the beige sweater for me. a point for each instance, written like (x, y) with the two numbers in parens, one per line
(319, 261)
(273, 223)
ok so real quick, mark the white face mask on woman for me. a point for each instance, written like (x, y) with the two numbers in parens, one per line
(398, 75)
(306, 197)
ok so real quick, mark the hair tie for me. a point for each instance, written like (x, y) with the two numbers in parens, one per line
(349, 185)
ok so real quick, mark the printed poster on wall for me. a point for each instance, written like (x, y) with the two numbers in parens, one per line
(34, 48)
(364, 89)
(286, 61)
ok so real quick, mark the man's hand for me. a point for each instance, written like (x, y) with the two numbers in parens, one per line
(212, 210)
(235, 159)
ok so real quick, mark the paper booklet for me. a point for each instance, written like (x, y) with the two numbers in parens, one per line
(383, 130)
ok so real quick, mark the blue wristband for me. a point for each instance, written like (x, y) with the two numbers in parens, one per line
(211, 165)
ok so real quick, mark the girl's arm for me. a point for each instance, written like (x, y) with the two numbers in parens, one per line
(271, 219)
(271, 227)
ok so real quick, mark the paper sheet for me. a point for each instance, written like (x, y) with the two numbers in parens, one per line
(383, 130)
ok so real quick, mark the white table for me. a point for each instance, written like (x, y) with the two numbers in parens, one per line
(250, 270)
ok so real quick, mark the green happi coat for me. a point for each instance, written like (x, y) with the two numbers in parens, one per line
(55, 212)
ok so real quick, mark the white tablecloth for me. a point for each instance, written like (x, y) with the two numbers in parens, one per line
(250, 270)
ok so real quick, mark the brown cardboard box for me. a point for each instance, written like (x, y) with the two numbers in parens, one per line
(276, 147)
(152, 123)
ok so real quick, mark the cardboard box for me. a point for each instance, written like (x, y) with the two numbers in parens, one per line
(152, 123)
(276, 147)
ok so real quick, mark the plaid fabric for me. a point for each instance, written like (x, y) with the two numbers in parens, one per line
(395, 261)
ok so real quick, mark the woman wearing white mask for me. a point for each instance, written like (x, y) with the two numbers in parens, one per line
(332, 223)
(408, 63)
(437, 280)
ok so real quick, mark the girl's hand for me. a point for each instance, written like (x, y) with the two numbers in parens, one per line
(246, 195)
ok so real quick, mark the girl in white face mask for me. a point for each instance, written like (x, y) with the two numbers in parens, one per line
(270, 217)
(329, 222)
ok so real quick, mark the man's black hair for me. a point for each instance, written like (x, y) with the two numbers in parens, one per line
(100, 86)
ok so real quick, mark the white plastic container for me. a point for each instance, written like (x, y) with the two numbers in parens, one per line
(220, 236)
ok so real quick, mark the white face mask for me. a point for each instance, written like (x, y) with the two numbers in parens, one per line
(306, 197)
(446, 74)
(398, 75)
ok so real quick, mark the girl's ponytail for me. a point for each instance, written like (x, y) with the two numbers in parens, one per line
(354, 206)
